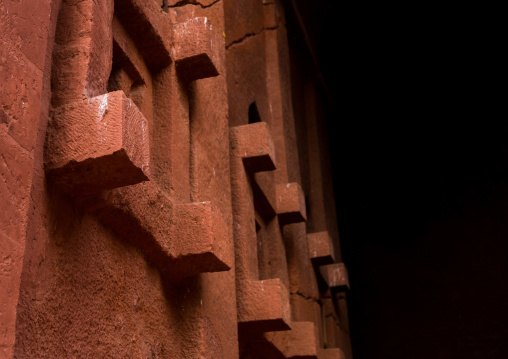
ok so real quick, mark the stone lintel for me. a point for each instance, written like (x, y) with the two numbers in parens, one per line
(254, 145)
(335, 275)
(321, 248)
(290, 203)
(299, 342)
(96, 144)
(263, 306)
(196, 48)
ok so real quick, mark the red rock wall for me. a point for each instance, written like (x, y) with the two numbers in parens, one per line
(24, 38)
(151, 192)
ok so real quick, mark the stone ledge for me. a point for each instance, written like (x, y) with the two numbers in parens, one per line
(96, 144)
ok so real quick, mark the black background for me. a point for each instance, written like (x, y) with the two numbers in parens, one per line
(420, 167)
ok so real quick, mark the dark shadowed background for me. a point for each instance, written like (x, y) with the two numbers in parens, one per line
(420, 169)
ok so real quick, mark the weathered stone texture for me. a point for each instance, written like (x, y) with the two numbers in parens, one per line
(98, 143)
(263, 306)
(335, 275)
(321, 249)
(152, 202)
(23, 41)
(193, 49)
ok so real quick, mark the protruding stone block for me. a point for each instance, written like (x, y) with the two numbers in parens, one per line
(196, 49)
(290, 203)
(331, 353)
(263, 305)
(181, 240)
(299, 342)
(98, 143)
(321, 248)
(335, 275)
(254, 145)
(200, 239)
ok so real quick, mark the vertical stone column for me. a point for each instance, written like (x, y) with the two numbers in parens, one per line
(171, 134)
(83, 50)
(200, 63)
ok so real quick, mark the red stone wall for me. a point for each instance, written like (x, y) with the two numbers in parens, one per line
(153, 196)
(24, 38)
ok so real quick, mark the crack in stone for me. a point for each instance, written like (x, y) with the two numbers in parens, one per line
(24, 151)
(303, 296)
(164, 5)
(251, 34)
(190, 2)
(8, 167)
